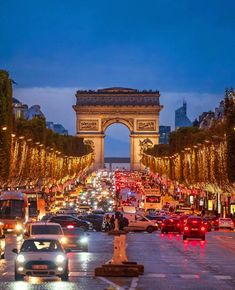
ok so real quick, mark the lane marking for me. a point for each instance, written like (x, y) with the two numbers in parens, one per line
(117, 287)
(223, 277)
(155, 275)
(189, 276)
(80, 274)
(134, 283)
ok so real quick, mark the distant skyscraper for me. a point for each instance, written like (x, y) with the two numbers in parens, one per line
(164, 132)
(181, 118)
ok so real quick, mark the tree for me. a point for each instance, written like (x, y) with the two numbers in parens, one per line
(6, 122)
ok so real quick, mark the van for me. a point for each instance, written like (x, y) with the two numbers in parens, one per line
(2, 243)
(140, 223)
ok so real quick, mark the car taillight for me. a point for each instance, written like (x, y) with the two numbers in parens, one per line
(203, 229)
(70, 227)
(178, 225)
(186, 228)
(163, 224)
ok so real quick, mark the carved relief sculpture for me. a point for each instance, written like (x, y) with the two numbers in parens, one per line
(88, 125)
(146, 125)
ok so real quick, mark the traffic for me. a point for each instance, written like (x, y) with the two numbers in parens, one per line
(47, 242)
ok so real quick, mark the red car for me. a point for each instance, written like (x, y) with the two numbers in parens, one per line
(194, 228)
(171, 224)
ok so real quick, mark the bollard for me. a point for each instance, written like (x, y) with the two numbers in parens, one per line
(116, 259)
(123, 255)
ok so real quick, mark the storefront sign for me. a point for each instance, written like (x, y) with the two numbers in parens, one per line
(210, 204)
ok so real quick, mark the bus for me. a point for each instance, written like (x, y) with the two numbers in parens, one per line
(153, 200)
(13, 211)
(36, 205)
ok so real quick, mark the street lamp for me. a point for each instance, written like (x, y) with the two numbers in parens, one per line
(4, 128)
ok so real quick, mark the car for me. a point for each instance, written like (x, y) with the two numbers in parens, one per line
(140, 223)
(45, 229)
(77, 238)
(157, 219)
(66, 220)
(171, 224)
(194, 228)
(95, 219)
(2, 242)
(226, 223)
(208, 223)
(41, 257)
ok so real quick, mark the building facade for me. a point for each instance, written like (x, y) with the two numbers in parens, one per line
(164, 133)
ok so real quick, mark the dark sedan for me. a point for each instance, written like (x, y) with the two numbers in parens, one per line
(68, 220)
(76, 239)
(171, 225)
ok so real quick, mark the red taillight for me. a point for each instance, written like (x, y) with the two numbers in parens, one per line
(186, 228)
(163, 224)
(194, 222)
(178, 225)
(70, 227)
(203, 229)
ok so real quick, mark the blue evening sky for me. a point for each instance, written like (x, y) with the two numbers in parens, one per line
(184, 48)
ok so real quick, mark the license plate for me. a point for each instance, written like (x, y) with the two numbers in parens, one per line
(194, 229)
(72, 245)
(40, 267)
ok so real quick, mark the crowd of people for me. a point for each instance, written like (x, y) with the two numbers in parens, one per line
(110, 221)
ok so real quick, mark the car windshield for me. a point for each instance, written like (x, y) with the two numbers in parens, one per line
(73, 231)
(41, 246)
(46, 230)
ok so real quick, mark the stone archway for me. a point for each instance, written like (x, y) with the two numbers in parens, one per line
(138, 110)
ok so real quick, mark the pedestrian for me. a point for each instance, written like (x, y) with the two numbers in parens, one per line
(112, 222)
(120, 222)
(107, 223)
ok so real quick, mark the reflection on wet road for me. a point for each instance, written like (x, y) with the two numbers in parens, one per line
(169, 263)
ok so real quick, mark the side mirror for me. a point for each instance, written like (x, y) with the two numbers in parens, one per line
(15, 251)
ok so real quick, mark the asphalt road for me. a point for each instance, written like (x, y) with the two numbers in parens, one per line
(169, 263)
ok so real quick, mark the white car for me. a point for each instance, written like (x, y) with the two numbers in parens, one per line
(45, 229)
(141, 223)
(41, 257)
(226, 223)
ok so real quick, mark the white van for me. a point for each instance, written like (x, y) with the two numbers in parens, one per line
(140, 223)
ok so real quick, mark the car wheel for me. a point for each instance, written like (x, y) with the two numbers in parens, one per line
(184, 238)
(65, 276)
(150, 229)
(19, 277)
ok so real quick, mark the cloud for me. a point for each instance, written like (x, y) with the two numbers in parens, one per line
(56, 104)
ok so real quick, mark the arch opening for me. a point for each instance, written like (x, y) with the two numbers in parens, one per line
(117, 146)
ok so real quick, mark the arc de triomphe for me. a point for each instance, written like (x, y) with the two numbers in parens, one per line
(97, 110)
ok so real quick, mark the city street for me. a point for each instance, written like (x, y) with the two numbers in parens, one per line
(169, 263)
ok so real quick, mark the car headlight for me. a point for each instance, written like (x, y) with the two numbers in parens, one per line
(20, 258)
(84, 240)
(19, 227)
(60, 259)
(63, 240)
